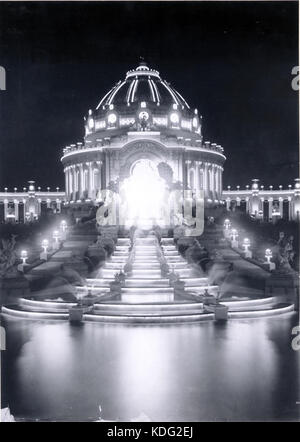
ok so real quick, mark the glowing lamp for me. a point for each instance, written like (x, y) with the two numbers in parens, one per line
(246, 244)
(227, 224)
(195, 122)
(174, 118)
(234, 234)
(24, 256)
(56, 235)
(91, 123)
(63, 225)
(112, 118)
(45, 244)
(143, 115)
(268, 255)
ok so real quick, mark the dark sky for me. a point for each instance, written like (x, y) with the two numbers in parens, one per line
(231, 60)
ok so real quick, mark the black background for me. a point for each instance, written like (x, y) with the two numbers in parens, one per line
(231, 60)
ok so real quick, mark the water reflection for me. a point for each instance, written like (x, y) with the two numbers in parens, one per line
(241, 370)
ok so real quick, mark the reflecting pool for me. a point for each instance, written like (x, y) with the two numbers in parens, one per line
(241, 370)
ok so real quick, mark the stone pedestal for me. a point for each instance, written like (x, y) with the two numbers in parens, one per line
(55, 245)
(44, 256)
(178, 287)
(226, 233)
(22, 267)
(248, 254)
(269, 265)
(234, 244)
(284, 285)
(115, 288)
(221, 312)
(11, 289)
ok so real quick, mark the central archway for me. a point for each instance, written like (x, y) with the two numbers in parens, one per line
(142, 195)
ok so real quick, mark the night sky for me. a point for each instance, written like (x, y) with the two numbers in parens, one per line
(231, 60)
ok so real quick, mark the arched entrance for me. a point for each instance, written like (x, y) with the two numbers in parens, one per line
(142, 195)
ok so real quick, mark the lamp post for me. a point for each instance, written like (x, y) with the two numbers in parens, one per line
(227, 225)
(234, 238)
(63, 228)
(246, 245)
(268, 256)
(56, 239)
(44, 254)
(24, 257)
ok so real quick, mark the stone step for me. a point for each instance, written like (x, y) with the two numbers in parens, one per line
(143, 283)
(75, 245)
(147, 290)
(167, 241)
(149, 273)
(145, 258)
(145, 265)
(62, 255)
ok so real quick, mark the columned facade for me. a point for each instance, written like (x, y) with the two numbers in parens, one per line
(27, 205)
(266, 204)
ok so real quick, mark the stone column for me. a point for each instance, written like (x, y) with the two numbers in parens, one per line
(5, 209)
(100, 172)
(58, 206)
(196, 177)
(247, 205)
(187, 168)
(270, 201)
(281, 207)
(77, 183)
(212, 180)
(290, 208)
(201, 176)
(66, 180)
(206, 179)
(39, 208)
(90, 178)
(16, 204)
(228, 203)
(81, 181)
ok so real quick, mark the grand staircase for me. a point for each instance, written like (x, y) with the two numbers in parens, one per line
(146, 284)
(147, 295)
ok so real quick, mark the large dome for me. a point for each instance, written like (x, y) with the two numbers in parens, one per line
(143, 84)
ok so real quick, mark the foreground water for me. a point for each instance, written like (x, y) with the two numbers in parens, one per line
(242, 370)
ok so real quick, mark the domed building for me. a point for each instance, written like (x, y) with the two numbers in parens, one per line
(142, 121)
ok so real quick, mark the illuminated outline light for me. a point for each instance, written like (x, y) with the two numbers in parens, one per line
(129, 91)
(115, 91)
(134, 90)
(156, 91)
(152, 90)
(171, 92)
(106, 95)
